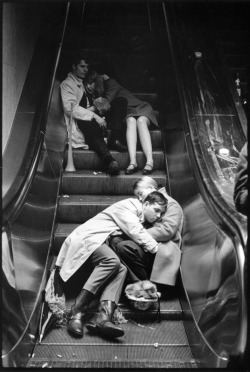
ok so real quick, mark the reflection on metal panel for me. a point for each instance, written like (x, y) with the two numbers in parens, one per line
(216, 300)
(31, 238)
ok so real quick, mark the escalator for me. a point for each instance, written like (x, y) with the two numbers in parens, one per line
(147, 56)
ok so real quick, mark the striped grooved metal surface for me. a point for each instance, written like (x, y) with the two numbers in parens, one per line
(161, 345)
(111, 364)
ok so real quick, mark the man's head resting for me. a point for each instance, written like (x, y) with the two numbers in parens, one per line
(154, 206)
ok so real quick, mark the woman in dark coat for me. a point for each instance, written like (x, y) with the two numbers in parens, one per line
(138, 118)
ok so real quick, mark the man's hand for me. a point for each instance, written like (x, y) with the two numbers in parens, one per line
(101, 121)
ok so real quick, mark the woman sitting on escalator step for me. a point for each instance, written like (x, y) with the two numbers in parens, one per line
(139, 116)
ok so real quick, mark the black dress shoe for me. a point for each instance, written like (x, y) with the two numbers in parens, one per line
(132, 168)
(118, 146)
(147, 171)
(102, 324)
(113, 168)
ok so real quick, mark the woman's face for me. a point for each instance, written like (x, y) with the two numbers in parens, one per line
(91, 87)
(142, 192)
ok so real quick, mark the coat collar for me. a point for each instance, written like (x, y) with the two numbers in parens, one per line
(77, 80)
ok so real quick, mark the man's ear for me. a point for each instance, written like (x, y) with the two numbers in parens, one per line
(73, 67)
(145, 204)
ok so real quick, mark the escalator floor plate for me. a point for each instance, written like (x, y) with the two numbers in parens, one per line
(114, 364)
(149, 344)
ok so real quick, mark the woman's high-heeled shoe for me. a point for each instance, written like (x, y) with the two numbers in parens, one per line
(146, 170)
(132, 168)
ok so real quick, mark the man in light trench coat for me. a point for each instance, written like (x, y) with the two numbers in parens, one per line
(163, 266)
(85, 248)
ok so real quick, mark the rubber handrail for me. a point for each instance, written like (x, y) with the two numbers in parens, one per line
(13, 208)
(12, 212)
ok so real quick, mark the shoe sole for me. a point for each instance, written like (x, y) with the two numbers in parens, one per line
(128, 173)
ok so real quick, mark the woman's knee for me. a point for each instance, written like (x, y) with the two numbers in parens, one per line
(131, 122)
(143, 120)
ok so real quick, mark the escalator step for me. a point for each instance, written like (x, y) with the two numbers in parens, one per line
(80, 208)
(89, 182)
(148, 344)
(86, 159)
(112, 364)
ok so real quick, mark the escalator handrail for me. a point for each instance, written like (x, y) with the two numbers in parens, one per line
(219, 206)
(13, 208)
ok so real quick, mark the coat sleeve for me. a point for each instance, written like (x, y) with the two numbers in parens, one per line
(126, 216)
(111, 89)
(171, 222)
(68, 97)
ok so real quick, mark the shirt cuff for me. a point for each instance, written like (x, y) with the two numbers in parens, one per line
(155, 249)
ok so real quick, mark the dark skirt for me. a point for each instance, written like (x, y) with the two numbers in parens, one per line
(143, 109)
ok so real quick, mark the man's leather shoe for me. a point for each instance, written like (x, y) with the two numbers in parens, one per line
(117, 146)
(78, 310)
(102, 324)
(113, 168)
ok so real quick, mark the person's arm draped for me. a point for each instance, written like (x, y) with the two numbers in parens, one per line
(126, 217)
(111, 89)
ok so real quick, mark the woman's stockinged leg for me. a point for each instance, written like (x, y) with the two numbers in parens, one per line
(131, 136)
(142, 124)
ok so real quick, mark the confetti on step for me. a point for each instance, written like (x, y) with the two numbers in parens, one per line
(45, 365)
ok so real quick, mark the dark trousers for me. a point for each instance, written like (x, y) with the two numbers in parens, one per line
(94, 138)
(138, 262)
(116, 118)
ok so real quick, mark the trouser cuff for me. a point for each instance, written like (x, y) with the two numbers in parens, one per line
(108, 159)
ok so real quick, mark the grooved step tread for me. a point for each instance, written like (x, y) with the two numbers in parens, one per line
(93, 182)
(147, 342)
(80, 208)
(92, 199)
(87, 159)
(89, 173)
(76, 363)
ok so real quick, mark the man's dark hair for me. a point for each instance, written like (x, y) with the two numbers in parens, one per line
(156, 197)
(77, 58)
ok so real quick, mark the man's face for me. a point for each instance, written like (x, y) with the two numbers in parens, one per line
(153, 212)
(81, 69)
(142, 192)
